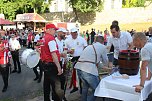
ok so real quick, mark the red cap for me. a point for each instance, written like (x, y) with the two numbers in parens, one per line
(51, 26)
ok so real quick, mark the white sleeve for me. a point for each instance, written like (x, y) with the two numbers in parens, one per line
(66, 43)
(145, 54)
(129, 38)
(9, 43)
(85, 42)
(52, 46)
(6, 45)
(104, 56)
(19, 46)
(109, 43)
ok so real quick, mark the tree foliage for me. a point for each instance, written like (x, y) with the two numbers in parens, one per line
(134, 3)
(86, 6)
(12, 7)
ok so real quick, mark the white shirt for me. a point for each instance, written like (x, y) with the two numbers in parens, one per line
(150, 39)
(60, 45)
(120, 43)
(14, 44)
(146, 54)
(77, 44)
(88, 54)
(37, 37)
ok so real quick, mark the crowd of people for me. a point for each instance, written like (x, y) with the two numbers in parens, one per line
(87, 51)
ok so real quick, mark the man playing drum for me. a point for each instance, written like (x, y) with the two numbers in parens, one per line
(4, 63)
(38, 46)
(51, 65)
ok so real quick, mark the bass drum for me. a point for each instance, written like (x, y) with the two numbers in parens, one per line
(30, 58)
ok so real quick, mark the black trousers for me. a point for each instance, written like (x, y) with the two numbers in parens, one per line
(4, 70)
(149, 97)
(15, 57)
(30, 45)
(92, 40)
(39, 76)
(53, 81)
(115, 62)
(24, 42)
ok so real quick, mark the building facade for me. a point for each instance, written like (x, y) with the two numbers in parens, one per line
(63, 6)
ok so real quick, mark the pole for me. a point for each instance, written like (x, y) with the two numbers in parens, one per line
(34, 26)
(62, 16)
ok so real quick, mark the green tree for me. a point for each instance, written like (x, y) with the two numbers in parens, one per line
(134, 3)
(12, 7)
(85, 6)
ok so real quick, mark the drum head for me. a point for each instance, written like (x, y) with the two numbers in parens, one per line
(33, 59)
(25, 55)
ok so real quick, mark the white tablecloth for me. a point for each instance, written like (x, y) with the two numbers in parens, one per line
(122, 89)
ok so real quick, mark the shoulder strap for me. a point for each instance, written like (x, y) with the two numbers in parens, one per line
(95, 54)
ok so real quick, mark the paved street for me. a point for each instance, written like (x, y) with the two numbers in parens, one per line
(23, 88)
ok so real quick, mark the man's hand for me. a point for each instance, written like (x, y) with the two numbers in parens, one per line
(107, 69)
(138, 88)
(64, 55)
(71, 51)
(59, 71)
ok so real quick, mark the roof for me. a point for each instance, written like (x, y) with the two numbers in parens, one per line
(29, 17)
(5, 22)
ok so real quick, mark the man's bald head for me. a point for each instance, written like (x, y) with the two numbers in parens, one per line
(99, 39)
(139, 35)
(139, 39)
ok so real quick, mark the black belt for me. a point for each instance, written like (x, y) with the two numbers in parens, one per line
(88, 62)
(44, 62)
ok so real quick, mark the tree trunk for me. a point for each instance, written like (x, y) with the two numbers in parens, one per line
(74, 10)
(34, 10)
(76, 14)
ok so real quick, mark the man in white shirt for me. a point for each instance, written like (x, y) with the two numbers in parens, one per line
(75, 45)
(87, 67)
(14, 47)
(120, 41)
(140, 41)
(61, 32)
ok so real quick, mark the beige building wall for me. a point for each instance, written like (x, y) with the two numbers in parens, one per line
(124, 15)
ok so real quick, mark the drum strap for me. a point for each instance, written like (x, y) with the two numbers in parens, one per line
(95, 54)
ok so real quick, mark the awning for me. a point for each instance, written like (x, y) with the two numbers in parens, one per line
(29, 17)
(5, 22)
